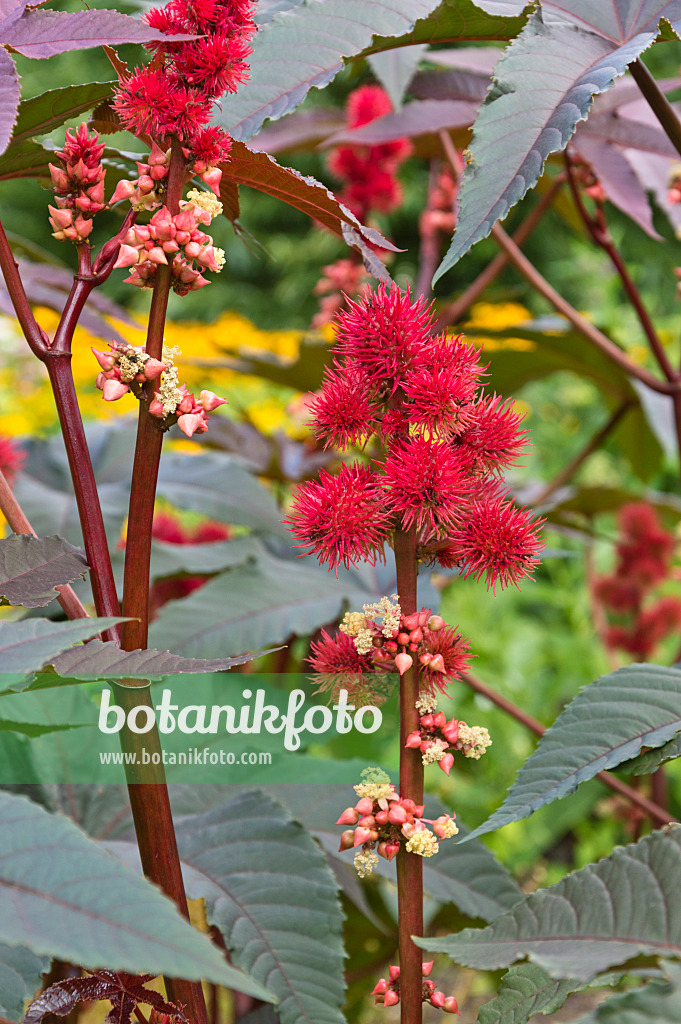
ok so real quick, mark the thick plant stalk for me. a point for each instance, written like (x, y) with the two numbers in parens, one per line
(409, 865)
(147, 789)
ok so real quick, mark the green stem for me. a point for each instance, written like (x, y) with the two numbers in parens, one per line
(409, 865)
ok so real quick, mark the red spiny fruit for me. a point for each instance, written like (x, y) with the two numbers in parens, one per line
(214, 65)
(617, 593)
(366, 104)
(494, 439)
(337, 663)
(385, 334)
(11, 458)
(497, 540)
(145, 101)
(455, 651)
(170, 530)
(661, 619)
(440, 396)
(425, 481)
(191, 112)
(211, 145)
(344, 411)
(341, 518)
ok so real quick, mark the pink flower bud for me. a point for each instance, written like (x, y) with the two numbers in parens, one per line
(170, 246)
(413, 740)
(157, 255)
(186, 404)
(381, 817)
(438, 663)
(186, 220)
(391, 850)
(124, 190)
(212, 178)
(410, 621)
(141, 233)
(427, 721)
(450, 731)
(192, 250)
(347, 840)
(425, 658)
(427, 968)
(113, 390)
(211, 401)
(364, 806)
(408, 805)
(403, 663)
(60, 218)
(153, 368)
(156, 408)
(416, 635)
(127, 257)
(182, 237)
(403, 639)
(438, 999)
(191, 423)
(368, 821)
(59, 180)
(393, 973)
(450, 1005)
(96, 193)
(362, 836)
(391, 998)
(157, 156)
(397, 815)
(446, 763)
(158, 173)
(419, 810)
(348, 817)
(105, 359)
(436, 622)
(381, 987)
(439, 720)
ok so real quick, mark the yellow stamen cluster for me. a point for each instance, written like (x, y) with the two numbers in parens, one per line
(474, 740)
(423, 843)
(365, 862)
(389, 608)
(435, 752)
(426, 704)
(352, 623)
(205, 201)
(169, 391)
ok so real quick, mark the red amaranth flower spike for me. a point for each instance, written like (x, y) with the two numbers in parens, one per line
(341, 518)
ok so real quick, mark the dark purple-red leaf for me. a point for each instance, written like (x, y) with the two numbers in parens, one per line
(31, 568)
(124, 991)
(420, 117)
(99, 660)
(10, 91)
(618, 179)
(47, 33)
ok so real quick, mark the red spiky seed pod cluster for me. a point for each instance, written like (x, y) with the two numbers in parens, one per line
(645, 554)
(387, 990)
(78, 186)
(365, 646)
(447, 446)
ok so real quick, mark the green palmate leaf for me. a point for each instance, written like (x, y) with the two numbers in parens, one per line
(40, 114)
(304, 48)
(456, 21)
(651, 760)
(526, 989)
(40, 711)
(606, 724)
(21, 974)
(269, 890)
(627, 904)
(31, 568)
(252, 606)
(395, 69)
(656, 1003)
(61, 895)
(28, 645)
(543, 86)
(478, 884)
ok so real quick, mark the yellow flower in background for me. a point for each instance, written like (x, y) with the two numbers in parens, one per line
(498, 316)
(27, 407)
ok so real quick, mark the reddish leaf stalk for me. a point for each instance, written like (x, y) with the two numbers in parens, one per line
(409, 865)
(147, 788)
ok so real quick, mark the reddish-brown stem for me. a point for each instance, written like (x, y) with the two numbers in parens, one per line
(658, 814)
(34, 335)
(658, 103)
(147, 789)
(454, 311)
(429, 251)
(82, 474)
(18, 523)
(409, 865)
(600, 340)
(598, 230)
(566, 474)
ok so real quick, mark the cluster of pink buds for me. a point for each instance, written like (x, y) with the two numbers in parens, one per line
(78, 185)
(176, 241)
(365, 646)
(382, 820)
(436, 737)
(147, 190)
(387, 990)
(125, 368)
